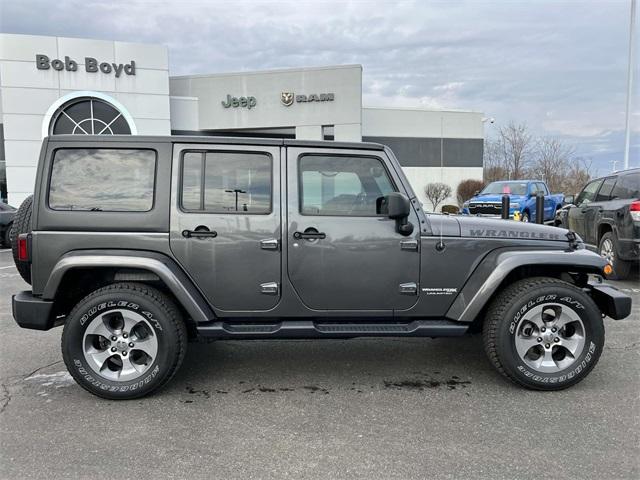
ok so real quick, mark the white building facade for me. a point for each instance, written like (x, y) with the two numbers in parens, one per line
(54, 85)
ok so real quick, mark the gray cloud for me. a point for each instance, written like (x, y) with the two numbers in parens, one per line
(558, 66)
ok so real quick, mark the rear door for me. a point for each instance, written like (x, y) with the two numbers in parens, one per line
(357, 260)
(225, 223)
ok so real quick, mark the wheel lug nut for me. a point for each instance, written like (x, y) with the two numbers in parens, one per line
(124, 354)
(543, 329)
(556, 339)
(131, 344)
(113, 349)
(114, 338)
(539, 339)
(124, 335)
(547, 345)
(554, 329)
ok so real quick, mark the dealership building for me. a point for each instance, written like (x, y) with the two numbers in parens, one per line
(58, 85)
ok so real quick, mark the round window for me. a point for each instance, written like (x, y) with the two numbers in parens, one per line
(89, 116)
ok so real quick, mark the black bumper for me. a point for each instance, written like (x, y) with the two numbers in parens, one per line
(32, 312)
(611, 301)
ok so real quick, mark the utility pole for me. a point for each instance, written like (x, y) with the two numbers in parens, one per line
(632, 46)
(236, 191)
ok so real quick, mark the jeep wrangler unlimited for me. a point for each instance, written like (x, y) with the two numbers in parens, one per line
(137, 244)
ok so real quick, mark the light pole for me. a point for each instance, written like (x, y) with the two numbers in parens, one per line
(627, 131)
(236, 191)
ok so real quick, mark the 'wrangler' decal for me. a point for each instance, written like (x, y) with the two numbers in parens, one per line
(514, 234)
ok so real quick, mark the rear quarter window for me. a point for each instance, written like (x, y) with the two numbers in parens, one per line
(102, 180)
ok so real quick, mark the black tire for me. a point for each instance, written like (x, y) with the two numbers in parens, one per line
(621, 268)
(507, 315)
(165, 323)
(22, 224)
(6, 239)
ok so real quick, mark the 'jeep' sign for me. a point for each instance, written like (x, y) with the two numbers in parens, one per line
(235, 102)
(91, 65)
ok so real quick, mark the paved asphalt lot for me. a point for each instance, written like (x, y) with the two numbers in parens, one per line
(370, 408)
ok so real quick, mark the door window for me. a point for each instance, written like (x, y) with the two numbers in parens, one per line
(628, 187)
(226, 182)
(588, 193)
(342, 185)
(605, 191)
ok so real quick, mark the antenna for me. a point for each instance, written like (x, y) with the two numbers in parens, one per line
(440, 245)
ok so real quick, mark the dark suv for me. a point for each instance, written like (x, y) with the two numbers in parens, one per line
(606, 214)
(137, 244)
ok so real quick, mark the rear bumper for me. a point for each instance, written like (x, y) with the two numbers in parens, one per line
(31, 312)
(612, 302)
(629, 250)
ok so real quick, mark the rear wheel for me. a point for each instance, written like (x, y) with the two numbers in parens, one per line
(21, 224)
(608, 250)
(124, 341)
(543, 333)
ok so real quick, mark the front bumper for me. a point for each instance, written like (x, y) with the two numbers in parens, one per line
(611, 301)
(31, 312)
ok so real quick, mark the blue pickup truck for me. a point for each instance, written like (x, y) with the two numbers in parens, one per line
(522, 198)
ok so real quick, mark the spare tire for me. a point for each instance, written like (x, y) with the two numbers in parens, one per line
(22, 224)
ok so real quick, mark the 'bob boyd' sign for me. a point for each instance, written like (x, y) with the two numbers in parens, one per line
(91, 65)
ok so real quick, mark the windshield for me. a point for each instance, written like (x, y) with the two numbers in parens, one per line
(509, 188)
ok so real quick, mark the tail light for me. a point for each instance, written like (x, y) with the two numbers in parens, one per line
(23, 247)
(634, 208)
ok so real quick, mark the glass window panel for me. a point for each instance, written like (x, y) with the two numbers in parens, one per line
(627, 187)
(605, 190)
(192, 181)
(342, 185)
(96, 179)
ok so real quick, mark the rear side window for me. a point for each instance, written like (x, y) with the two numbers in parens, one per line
(226, 182)
(627, 187)
(588, 193)
(102, 180)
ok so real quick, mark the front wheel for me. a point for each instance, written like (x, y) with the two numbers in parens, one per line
(543, 333)
(124, 341)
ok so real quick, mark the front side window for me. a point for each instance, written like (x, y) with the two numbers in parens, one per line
(588, 193)
(226, 182)
(342, 185)
(101, 179)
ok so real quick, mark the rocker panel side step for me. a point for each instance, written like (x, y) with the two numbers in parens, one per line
(311, 329)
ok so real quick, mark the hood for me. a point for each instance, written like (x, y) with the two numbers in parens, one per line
(471, 226)
(496, 198)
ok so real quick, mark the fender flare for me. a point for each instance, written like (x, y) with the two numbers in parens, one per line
(176, 280)
(487, 277)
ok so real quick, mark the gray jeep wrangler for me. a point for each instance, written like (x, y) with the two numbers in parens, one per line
(138, 244)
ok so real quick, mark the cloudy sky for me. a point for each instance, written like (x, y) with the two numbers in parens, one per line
(559, 66)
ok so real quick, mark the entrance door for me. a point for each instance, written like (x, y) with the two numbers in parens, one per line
(225, 223)
(341, 254)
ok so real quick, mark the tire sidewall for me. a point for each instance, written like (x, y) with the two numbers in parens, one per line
(582, 304)
(88, 310)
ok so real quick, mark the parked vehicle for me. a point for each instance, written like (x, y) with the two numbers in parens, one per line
(7, 212)
(137, 244)
(606, 215)
(522, 199)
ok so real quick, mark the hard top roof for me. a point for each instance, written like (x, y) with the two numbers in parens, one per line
(212, 140)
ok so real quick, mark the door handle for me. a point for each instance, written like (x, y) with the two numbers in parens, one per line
(269, 244)
(309, 235)
(200, 231)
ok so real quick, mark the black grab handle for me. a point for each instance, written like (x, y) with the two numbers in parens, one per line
(199, 234)
(309, 235)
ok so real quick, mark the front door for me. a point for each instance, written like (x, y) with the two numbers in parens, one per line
(342, 256)
(225, 223)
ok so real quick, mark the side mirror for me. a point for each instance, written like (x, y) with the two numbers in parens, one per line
(476, 193)
(397, 207)
(568, 199)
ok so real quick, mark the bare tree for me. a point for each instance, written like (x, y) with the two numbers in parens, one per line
(436, 193)
(552, 162)
(493, 163)
(514, 147)
(578, 173)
